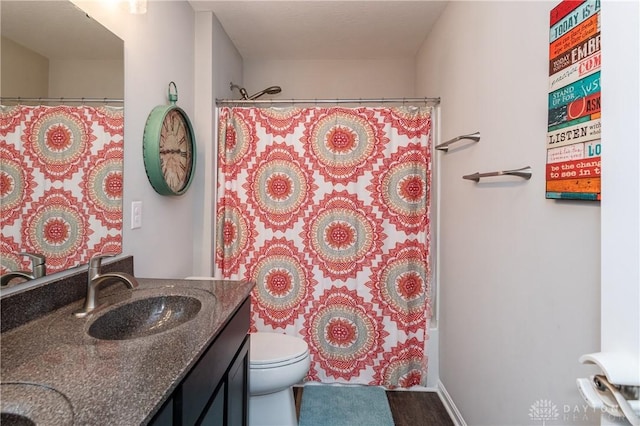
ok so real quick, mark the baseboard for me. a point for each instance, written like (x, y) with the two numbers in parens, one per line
(450, 406)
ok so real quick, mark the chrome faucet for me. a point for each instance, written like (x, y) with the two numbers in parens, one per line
(94, 281)
(39, 269)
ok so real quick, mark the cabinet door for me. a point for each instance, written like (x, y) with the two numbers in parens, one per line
(215, 413)
(216, 391)
(164, 417)
(238, 382)
(212, 369)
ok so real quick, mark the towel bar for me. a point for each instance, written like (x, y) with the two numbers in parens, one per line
(524, 173)
(444, 146)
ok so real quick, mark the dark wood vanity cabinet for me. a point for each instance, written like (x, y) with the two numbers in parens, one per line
(216, 391)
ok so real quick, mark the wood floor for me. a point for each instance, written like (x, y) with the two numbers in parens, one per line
(408, 408)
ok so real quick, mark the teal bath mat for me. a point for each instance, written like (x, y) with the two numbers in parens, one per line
(327, 405)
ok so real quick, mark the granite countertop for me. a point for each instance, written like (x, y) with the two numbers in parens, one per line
(51, 369)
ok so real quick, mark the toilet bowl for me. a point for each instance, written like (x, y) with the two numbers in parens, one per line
(276, 362)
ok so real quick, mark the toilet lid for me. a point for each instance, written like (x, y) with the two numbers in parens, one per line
(271, 348)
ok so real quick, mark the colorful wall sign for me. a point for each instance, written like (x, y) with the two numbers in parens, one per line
(573, 138)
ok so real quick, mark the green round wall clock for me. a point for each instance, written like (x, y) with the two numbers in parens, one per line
(169, 148)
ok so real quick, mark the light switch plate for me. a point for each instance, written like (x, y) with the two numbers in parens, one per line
(136, 214)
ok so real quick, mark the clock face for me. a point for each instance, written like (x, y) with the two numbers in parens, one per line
(169, 150)
(176, 150)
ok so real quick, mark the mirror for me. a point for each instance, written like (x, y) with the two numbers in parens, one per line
(61, 139)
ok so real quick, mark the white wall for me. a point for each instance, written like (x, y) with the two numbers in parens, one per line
(621, 187)
(519, 276)
(86, 78)
(171, 43)
(29, 74)
(311, 79)
(217, 63)
(159, 48)
(24, 72)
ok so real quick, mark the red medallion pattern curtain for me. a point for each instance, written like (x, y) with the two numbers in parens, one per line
(60, 184)
(327, 210)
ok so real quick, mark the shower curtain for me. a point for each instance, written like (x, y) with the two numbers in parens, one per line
(60, 183)
(327, 210)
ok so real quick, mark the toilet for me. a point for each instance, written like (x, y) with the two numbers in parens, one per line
(276, 362)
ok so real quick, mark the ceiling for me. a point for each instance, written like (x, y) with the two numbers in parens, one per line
(44, 27)
(260, 29)
(328, 29)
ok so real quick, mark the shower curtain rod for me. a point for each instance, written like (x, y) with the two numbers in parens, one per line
(21, 99)
(240, 102)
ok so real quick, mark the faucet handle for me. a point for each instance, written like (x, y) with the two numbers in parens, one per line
(36, 258)
(38, 263)
(96, 261)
